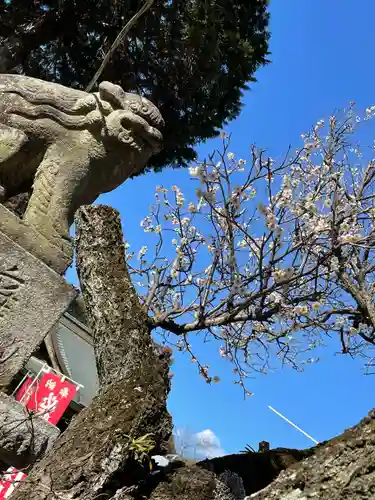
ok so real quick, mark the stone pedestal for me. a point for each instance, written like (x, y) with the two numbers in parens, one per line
(23, 438)
(32, 299)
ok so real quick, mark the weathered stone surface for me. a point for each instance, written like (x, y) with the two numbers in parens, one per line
(70, 146)
(340, 469)
(231, 477)
(187, 483)
(57, 258)
(32, 299)
(257, 470)
(194, 483)
(23, 438)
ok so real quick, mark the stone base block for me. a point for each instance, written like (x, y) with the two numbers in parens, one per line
(23, 439)
(32, 299)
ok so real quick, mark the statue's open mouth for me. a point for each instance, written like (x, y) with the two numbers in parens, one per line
(152, 137)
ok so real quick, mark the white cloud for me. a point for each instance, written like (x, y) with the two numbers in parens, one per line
(199, 445)
(207, 444)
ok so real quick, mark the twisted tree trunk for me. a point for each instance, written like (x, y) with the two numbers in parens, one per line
(93, 458)
(116, 318)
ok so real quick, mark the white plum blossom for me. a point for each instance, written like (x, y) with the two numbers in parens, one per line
(195, 171)
(192, 208)
(142, 252)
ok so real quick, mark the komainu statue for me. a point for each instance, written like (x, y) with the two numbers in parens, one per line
(70, 146)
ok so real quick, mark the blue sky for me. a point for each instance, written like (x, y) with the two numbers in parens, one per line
(322, 57)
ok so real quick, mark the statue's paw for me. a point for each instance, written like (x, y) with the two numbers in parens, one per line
(56, 235)
(61, 241)
(61, 236)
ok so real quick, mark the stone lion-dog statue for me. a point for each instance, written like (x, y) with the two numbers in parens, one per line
(70, 146)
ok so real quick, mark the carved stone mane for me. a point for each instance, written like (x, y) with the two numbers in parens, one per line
(74, 108)
(70, 146)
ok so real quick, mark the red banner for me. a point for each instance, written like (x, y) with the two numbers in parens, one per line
(9, 481)
(27, 389)
(49, 397)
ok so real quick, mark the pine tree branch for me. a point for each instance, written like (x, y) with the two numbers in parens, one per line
(125, 30)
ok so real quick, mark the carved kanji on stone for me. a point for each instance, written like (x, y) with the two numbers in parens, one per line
(10, 283)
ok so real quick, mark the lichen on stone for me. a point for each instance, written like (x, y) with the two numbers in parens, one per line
(229, 486)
